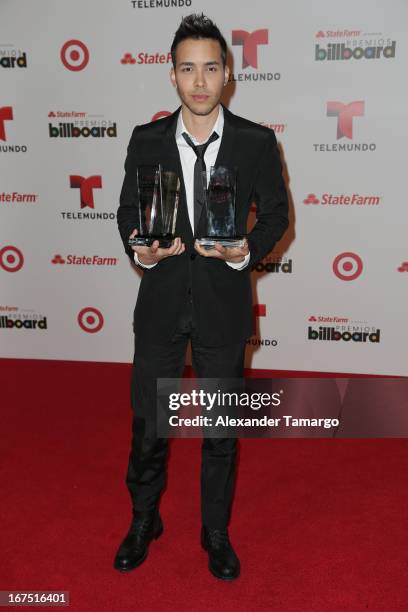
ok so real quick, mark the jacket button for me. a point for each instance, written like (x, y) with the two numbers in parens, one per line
(193, 255)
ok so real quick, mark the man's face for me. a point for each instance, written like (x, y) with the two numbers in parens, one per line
(199, 74)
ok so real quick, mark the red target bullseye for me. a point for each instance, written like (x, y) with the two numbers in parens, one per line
(347, 266)
(74, 55)
(11, 259)
(90, 320)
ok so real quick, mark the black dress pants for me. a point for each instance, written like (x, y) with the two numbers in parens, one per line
(146, 474)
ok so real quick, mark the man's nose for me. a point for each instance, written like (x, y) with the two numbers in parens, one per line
(200, 78)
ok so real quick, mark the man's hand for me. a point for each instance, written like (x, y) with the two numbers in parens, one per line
(149, 255)
(230, 254)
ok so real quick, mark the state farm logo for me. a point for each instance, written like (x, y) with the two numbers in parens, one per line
(140, 4)
(90, 320)
(259, 310)
(83, 260)
(342, 199)
(144, 57)
(403, 267)
(278, 128)
(341, 329)
(347, 266)
(16, 197)
(80, 125)
(160, 115)
(6, 114)
(86, 196)
(74, 55)
(274, 264)
(345, 113)
(11, 259)
(249, 42)
(10, 57)
(356, 46)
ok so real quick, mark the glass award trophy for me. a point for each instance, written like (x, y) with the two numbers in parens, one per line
(156, 202)
(219, 201)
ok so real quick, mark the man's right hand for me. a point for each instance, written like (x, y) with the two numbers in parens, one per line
(149, 255)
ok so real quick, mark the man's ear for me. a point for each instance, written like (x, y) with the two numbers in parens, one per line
(226, 74)
(173, 77)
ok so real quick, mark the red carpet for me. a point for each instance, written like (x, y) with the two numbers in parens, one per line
(326, 527)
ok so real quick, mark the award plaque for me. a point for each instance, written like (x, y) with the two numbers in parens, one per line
(156, 202)
(219, 200)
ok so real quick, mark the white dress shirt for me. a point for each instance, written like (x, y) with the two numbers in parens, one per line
(188, 159)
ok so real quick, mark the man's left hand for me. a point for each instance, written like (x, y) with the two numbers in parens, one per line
(231, 254)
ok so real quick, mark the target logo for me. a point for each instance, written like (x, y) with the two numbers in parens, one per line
(11, 259)
(74, 55)
(90, 320)
(347, 266)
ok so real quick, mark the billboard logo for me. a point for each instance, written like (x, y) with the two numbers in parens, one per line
(6, 114)
(345, 114)
(90, 320)
(11, 259)
(74, 55)
(403, 267)
(347, 266)
(339, 51)
(249, 42)
(86, 187)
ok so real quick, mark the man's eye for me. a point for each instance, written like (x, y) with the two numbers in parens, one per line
(187, 69)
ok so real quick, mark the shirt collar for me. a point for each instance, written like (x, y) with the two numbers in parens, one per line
(218, 127)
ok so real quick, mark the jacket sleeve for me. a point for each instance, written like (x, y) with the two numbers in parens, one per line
(126, 214)
(271, 200)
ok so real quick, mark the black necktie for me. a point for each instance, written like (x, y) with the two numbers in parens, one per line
(199, 168)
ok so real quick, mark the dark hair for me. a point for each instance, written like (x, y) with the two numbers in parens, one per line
(198, 26)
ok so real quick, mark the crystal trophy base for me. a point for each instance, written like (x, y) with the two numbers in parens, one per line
(165, 241)
(209, 242)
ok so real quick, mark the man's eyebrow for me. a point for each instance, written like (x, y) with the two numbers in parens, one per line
(212, 63)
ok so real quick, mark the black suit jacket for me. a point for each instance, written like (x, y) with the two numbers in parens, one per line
(222, 297)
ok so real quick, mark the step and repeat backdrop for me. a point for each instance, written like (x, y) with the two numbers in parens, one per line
(328, 77)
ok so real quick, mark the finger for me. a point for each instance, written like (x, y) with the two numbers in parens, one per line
(154, 247)
(133, 234)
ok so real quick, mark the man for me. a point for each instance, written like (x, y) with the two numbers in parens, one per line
(189, 293)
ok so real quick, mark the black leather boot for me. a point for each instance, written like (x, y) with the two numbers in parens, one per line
(223, 562)
(145, 527)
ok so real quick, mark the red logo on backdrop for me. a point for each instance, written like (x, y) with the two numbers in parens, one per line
(86, 186)
(11, 259)
(258, 310)
(250, 42)
(347, 266)
(128, 59)
(311, 199)
(74, 55)
(58, 259)
(90, 320)
(312, 318)
(403, 267)
(161, 115)
(345, 114)
(320, 34)
(6, 114)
